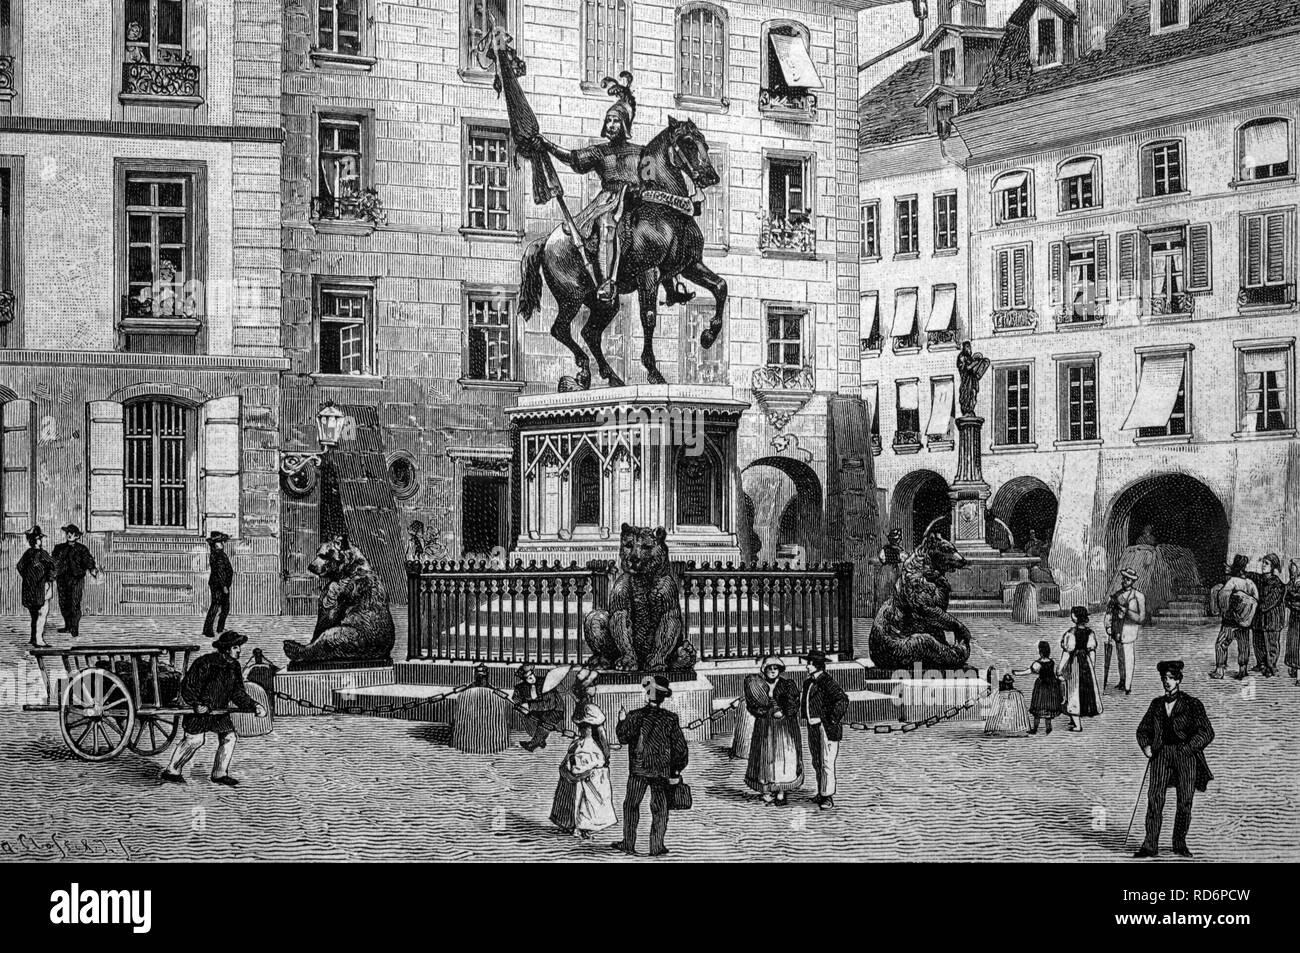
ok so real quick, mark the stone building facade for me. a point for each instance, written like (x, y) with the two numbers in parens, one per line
(139, 340)
(405, 219)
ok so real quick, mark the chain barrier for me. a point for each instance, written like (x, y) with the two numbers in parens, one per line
(329, 709)
(614, 746)
(929, 722)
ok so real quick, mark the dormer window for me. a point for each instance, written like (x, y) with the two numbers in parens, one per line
(1049, 50)
(1051, 40)
(948, 66)
(1011, 197)
(1169, 15)
(943, 113)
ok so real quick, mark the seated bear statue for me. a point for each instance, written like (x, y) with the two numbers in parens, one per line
(354, 627)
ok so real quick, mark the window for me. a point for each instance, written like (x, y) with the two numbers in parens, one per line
(1080, 278)
(492, 199)
(346, 321)
(155, 31)
(1268, 258)
(1160, 405)
(702, 51)
(786, 71)
(788, 224)
(490, 337)
(1168, 269)
(944, 110)
(1265, 372)
(604, 39)
(948, 67)
(870, 318)
(477, 20)
(1012, 285)
(938, 429)
(785, 340)
(1011, 197)
(1167, 266)
(157, 67)
(157, 463)
(698, 364)
(907, 227)
(1013, 405)
(1078, 400)
(699, 490)
(904, 329)
(908, 429)
(941, 326)
(714, 222)
(945, 221)
(1265, 149)
(1048, 47)
(1168, 15)
(339, 25)
(870, 236)
(871, 395)
(586, 490)
(1079, 185)
(1162, 169)
(341, 179)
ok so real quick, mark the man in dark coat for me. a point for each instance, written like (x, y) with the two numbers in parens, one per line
(37, 569)
(220, 577)
(823, 706)
(214, 682)
(73, 561)
(1270, 616)
(656, 755)
(546, 708)
(1173, 735)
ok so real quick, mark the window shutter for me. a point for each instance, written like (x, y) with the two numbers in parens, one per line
(106, 467)
(1020, 277)
(1275, 248)
(220, 468)
(1254, 240)
(1103, 270)
(1128, 265)
(1002, 279)
(18, 487)
(1148, 172)
(1056, 271)
(1199, 267)
(1000, 402)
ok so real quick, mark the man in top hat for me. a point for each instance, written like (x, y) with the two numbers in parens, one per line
(1270, 615)
(1125, 613)
(617, 161)
(823, 705)
(220, 575)
(1238, 601)
(214, 681)
(656, 755)
(546, 708)
(1173, 735)
(73, 560)
(37, 569)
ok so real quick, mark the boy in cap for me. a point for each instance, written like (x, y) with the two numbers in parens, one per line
(1238, 601)
(1173, 735)
(656, 755)
(1270, 616)
(546, 708)
(214, 681)
(220, 575)
(1124, 616)
(73, 560)
(37, 569)
(823, 706)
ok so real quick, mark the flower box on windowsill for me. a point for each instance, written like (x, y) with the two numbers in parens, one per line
(871, 347)
(793, 105)
(939, 444)
(1015, 321)
(875, 445)
(907, 442)
(343, 61)
(161, 84)
(358, 214)
(941, 340)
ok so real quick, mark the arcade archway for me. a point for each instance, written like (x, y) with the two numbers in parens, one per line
(786, 512)
(920, 501)
(1024, 504)
(1182, 512)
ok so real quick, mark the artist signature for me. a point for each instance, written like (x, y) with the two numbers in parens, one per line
(57, 847)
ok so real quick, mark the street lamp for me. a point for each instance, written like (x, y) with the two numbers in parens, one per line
(330, 422)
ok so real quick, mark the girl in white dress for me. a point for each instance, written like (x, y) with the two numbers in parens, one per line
(583, 800)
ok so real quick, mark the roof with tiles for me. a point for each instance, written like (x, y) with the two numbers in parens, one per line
(889, 113)
(1219, 25)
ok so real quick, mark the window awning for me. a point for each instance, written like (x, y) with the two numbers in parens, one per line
(904, 314)
(1013, 180)
(1162, 376)
(1265, 144)
(796, 65)
(940, 409)
(871, 395)
(870, 311)
(945, 304)
(909, 396)
(1078, 167)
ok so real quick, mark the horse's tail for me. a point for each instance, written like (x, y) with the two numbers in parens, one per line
(530, 279)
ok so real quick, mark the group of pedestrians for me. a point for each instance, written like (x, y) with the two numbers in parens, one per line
(1254, 608)
(64, 570)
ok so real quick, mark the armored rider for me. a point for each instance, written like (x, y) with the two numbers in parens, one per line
(617, 161)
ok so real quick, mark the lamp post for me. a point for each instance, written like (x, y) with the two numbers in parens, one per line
(300, 480)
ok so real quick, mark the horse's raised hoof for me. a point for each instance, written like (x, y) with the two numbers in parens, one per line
(708, 336)
(677, 294)
(569, 384)
(613, 380)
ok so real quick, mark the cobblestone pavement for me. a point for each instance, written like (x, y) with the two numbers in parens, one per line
(355, 788)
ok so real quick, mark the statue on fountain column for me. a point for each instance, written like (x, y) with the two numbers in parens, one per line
(972, 367)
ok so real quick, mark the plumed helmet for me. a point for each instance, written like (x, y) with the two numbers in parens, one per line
(625, 106)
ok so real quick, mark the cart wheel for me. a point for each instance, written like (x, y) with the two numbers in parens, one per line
(97, 715)
(153, 733)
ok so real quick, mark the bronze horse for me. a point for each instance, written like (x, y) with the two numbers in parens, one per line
(660, 241)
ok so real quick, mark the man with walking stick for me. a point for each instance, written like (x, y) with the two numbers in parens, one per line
(1173, 735)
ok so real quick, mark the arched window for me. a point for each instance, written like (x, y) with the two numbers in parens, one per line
(1013, 197)
(1264, 149)
(1080, 179)
(703, 48)
(606, 39)
(159, 451)
(786, 71)
(586, 491)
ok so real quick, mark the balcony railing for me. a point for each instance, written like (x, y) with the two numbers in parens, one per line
(875, 444)
(911, 342)
(365, 206)
(907, 438)
(1273, 295)
(1174, 304)
(941, 338)
(161, 80)
(872, 344)
(7, 86)
(1083, 312)
(788, 100)
(1015, 319)
(795, 234)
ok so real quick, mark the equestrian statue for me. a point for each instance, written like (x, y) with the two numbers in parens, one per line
(639, 234)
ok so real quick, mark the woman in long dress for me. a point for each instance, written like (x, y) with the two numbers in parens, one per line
(744, 733)
(775, 754)
(583, 800)
(1079, 670)
(1292, 600)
